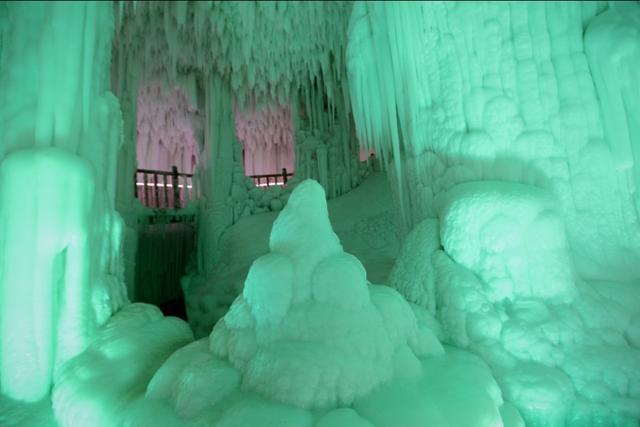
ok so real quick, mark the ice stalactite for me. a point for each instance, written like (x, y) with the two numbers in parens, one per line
(60, 132)
(501, 92)
(388, 123)
(254, 46)
(266, 135)
(166, 124)
(125, 84)
(326, 147)
(45, 267)
(611, 45)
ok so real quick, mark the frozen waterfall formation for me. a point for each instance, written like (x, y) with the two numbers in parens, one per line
(514, 154)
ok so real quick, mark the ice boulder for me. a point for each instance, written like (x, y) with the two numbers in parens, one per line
(511, 236)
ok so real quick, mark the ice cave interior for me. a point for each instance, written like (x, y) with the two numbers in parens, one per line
(319, 214)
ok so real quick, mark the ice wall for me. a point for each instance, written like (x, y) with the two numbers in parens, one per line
(266, 135)
(166, 122)
(457, 92)
(59, 134)
(611, 45)
(513, 155)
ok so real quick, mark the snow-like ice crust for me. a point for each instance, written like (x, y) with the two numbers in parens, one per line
(496, 270)
(537, 93)
(512, 128)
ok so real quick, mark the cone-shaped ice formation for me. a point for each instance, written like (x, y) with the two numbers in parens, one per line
(308, 330)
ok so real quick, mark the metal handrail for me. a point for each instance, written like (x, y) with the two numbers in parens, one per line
(257, 179)
(182, 192)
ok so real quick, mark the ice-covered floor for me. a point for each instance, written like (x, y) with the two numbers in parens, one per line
(362, 219)
(18, 414)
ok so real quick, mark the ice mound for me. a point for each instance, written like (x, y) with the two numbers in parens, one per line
(99, 387)
(308, 330)
(497, 273)
(511, 236)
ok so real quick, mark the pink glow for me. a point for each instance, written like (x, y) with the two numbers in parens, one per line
(165, 129)
(267, 139)
(364, 154)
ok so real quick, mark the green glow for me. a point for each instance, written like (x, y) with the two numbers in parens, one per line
(46, 195)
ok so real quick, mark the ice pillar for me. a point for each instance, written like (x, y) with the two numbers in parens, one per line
(45, 202)
(59, 235)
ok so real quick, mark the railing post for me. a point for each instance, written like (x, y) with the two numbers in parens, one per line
(135, 184)
(156, 191)
(166, 190)
(146, 188)
(176, 188)
(284, 176)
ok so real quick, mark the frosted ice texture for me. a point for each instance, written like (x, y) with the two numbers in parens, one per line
(265, 50)
(520, 184)
(504, 91)
(102, 386)
(497, 272)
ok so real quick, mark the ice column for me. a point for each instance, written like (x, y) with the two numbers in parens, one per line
(44, 267)
(60, 237)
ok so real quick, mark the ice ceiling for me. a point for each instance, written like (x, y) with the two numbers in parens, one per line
(266, 50)
(510, 135)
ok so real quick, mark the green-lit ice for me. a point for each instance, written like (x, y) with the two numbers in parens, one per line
(504, 249)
